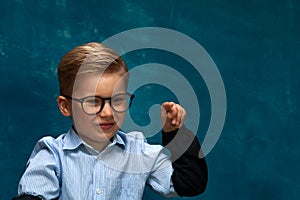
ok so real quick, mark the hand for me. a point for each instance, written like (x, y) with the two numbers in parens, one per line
(172, 116)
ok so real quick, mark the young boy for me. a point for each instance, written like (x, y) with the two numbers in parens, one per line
(95, 159)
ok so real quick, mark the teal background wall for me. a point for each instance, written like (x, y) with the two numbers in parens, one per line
(255, 45)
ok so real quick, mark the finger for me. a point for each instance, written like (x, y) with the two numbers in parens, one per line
(170, 110)
(165, 109)
(183, 116)
(167, 106)
(173, 114)
(178, 117)
(179, 114)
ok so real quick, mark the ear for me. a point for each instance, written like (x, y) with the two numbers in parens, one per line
(64, 106)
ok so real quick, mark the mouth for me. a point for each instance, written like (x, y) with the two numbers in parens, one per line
(106, 126)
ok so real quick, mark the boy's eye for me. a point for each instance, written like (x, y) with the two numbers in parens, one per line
(118, 100)
(93, 101)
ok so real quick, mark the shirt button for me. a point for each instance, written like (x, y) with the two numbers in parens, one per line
(98, 191)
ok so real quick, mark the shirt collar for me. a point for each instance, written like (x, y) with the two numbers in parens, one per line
(120, 139)
(73, 141)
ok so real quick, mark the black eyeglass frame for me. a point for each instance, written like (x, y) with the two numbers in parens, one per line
(81, 100)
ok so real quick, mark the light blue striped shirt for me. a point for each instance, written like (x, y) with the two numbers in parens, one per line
(68, 168)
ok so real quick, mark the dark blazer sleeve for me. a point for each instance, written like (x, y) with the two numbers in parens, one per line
(190, 170)
(26, 197)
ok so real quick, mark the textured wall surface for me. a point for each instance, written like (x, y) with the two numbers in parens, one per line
(255, 45)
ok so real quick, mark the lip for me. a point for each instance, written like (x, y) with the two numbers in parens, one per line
(106, 126)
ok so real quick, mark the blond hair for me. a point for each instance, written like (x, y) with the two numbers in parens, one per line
(88, 58)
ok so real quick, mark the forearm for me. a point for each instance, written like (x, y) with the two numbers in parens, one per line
(190, 170)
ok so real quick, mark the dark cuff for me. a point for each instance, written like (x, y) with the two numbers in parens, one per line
(26, 197)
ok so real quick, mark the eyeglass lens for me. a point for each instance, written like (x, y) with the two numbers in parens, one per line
(119, 103)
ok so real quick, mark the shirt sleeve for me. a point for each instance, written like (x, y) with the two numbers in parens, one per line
(190, 170)
(41, 177)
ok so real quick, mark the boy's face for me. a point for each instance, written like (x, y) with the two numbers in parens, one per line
(98, 128)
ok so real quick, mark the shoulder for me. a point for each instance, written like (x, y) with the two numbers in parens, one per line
(51, 142)
(48, 144)
(65, 141)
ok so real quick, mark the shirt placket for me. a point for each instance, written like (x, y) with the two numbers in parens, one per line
(98, 179)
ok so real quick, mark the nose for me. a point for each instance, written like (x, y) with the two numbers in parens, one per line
(106, 110)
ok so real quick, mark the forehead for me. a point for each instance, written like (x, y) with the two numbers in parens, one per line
(105, 85)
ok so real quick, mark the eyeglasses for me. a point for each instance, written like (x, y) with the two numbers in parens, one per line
(92, 105)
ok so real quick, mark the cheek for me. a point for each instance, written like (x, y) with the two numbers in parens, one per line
(119, 118)
(81, 118)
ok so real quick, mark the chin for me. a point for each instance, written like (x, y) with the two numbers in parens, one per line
(107, 134)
